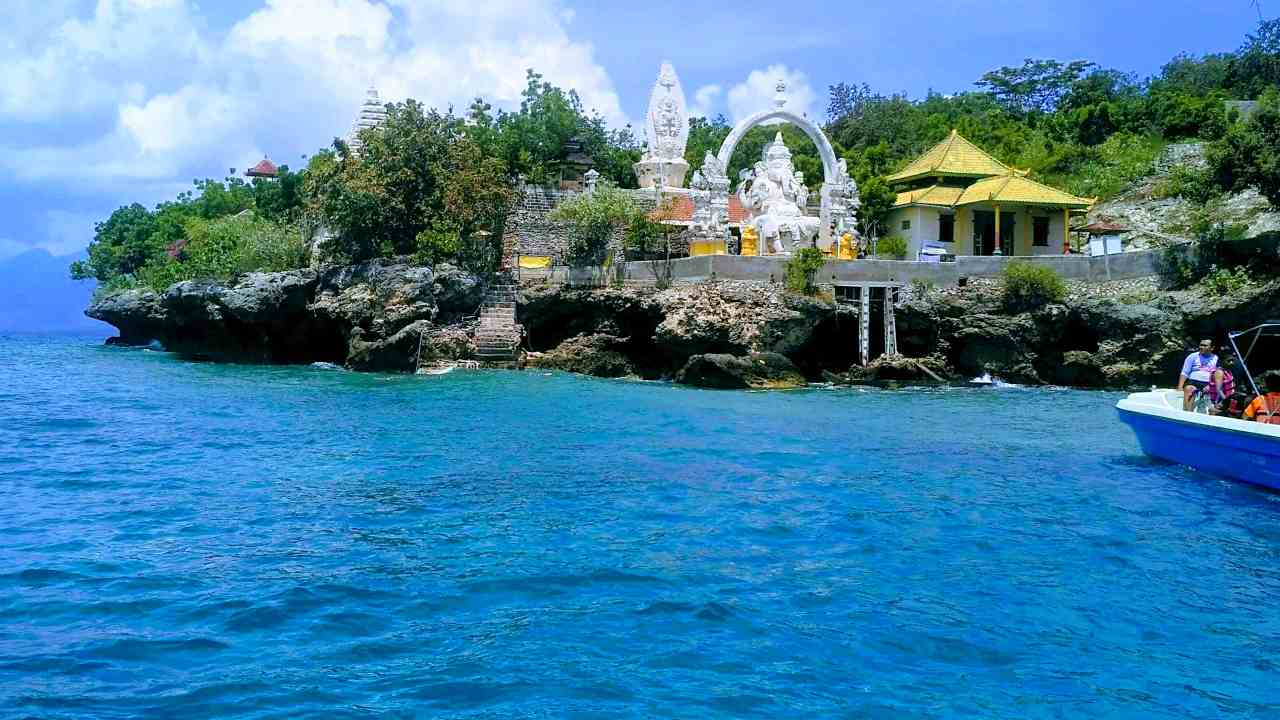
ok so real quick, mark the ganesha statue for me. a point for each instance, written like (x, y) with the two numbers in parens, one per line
(775, 195)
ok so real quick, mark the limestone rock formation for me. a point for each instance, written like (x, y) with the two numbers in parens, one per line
(370, 316)
(897, 369)
(757, 371)
(736, 317)
(382, 296)
(384, 315)
(137, 314)
(663, 329)
(598, 354)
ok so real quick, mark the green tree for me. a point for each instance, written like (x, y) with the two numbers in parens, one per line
(279, 198)
(1255, 69)
(419, 170)
(877, 200)
(1249, 154)
(1029, 285)
(122, 244)
(1192, 75)
(223, 248)
(705, 135)
(1036, 86)
(893, 247)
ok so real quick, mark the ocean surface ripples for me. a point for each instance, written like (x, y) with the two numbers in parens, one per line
(198, 541)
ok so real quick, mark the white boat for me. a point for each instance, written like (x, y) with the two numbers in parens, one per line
(1237, 449)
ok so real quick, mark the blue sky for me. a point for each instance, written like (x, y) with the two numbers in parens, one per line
(108, 102)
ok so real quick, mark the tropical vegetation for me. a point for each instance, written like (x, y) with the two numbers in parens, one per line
(436, 186)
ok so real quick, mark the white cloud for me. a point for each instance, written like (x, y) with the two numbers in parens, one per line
(57, 62)
(483, 48)
(757, 92)
(174, 101)
(173, 122)
(705, 100)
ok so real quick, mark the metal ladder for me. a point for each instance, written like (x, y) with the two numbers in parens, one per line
(890, 322)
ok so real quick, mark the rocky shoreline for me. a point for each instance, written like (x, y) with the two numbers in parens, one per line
(389, 315)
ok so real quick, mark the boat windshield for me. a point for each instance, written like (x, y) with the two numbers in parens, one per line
(1244, 342)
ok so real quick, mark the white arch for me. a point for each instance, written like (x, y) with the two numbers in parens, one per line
(832, 176)
(830, 170)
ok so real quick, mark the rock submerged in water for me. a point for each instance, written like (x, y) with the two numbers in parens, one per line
(599, 355)
(757, 371)
(896, 368)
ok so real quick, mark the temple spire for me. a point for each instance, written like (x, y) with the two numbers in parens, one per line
(372, 114)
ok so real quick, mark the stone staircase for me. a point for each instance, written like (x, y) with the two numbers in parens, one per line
(498, 337)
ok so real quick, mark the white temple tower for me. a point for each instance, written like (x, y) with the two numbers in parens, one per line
(372, 114)
(667, 131)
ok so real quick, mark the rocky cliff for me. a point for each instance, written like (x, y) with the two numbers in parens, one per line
(1153, 219)
(1119, 335)
(370, 316)
(381, 315)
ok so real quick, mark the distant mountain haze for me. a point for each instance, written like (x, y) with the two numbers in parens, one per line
(37, 294)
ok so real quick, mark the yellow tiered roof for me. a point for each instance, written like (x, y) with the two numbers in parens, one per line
(954, 156)
(1011, 188)
(1015, 189)
(939, 195)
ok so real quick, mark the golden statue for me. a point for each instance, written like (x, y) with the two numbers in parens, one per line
(750, 240)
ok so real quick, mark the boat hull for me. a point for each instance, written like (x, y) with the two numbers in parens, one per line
(1236, 449)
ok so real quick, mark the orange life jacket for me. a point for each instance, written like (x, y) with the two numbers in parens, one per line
(1270, 411)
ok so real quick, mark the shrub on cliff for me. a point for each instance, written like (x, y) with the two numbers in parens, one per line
(801, 270)
(1028, 286)
(134, 237)
(593, 218)
(891, 248)
(223, 248)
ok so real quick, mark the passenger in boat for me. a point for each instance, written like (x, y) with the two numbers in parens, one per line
(1222, 388)
(1235, 397)
(1266, 408)
(1198, 371)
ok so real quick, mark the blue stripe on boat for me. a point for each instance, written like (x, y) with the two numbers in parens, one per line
(1237, 453)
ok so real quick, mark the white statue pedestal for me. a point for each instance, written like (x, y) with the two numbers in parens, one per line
(671, 171)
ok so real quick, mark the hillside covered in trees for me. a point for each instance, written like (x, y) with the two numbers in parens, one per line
(436, 185)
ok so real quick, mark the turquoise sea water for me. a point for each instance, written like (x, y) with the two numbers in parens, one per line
(198, 541)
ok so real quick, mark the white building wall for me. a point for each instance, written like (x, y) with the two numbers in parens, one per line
(1055, 235)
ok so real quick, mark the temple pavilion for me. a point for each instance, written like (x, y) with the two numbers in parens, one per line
(959, 198)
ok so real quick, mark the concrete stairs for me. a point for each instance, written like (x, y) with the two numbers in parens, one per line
(498, 336)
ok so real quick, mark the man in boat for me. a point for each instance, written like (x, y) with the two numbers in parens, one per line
(1198, 371)
(1266, 408)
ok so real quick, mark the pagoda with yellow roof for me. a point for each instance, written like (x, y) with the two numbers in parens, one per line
(959, 198)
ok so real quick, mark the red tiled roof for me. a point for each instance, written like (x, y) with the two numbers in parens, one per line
(265, 168)
(679, 209)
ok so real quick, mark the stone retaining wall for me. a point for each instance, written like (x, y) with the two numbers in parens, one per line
(529, 232)
(769, 269)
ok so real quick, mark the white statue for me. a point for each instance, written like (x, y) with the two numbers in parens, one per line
(775, 194)
(666, 129)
